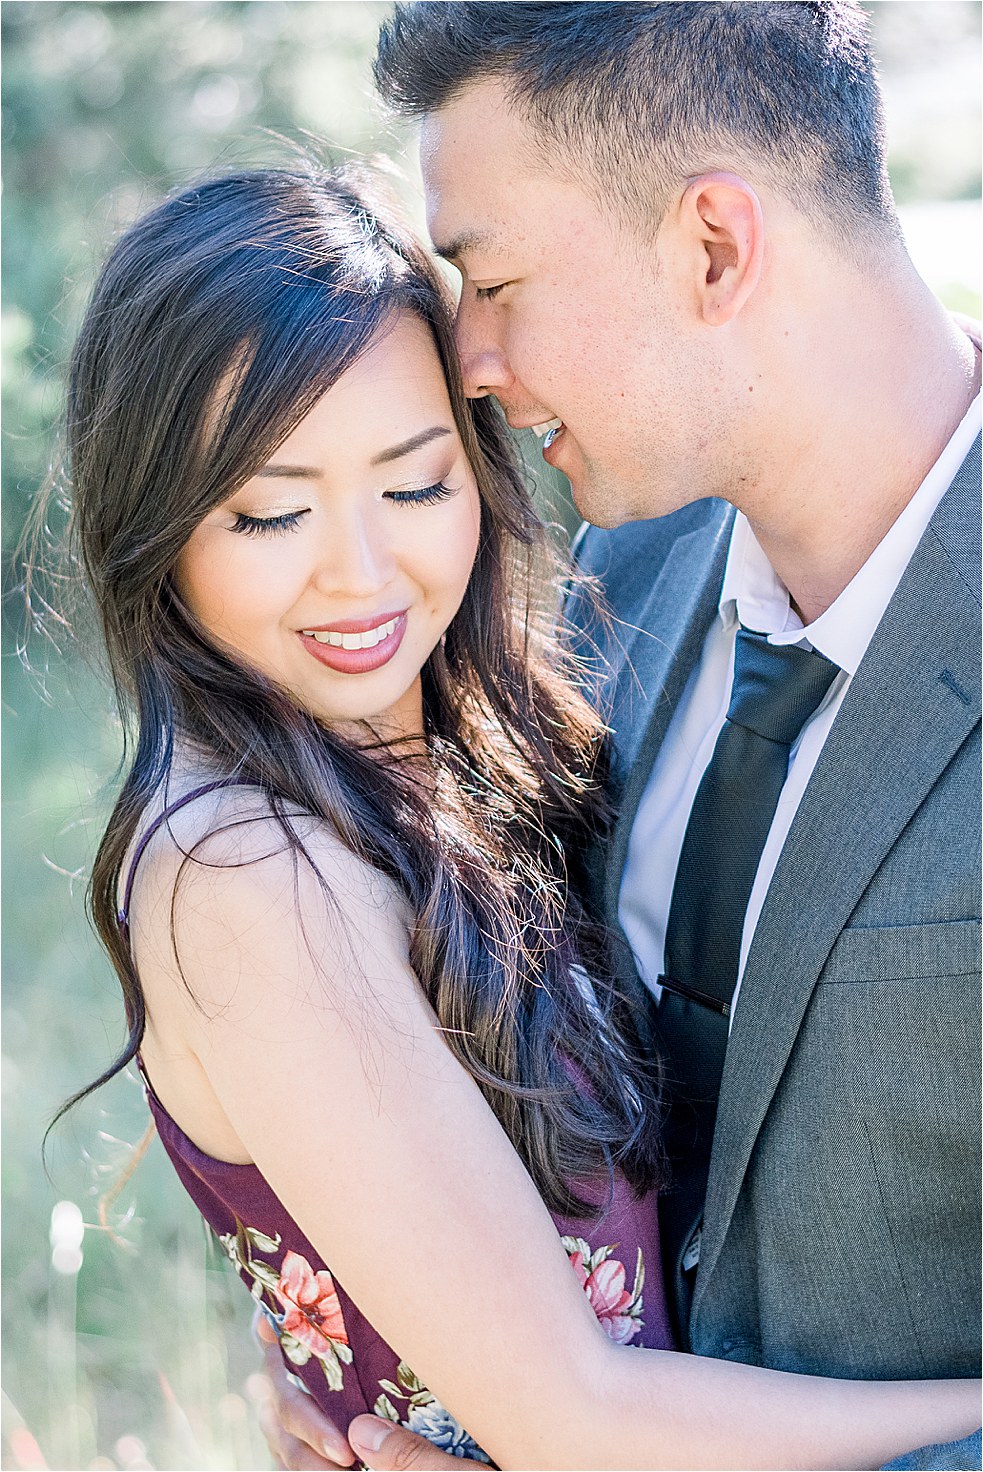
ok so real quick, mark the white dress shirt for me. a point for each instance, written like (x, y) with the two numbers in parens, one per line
(752, 595)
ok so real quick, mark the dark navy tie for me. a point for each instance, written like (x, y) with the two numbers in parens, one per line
(776, 689)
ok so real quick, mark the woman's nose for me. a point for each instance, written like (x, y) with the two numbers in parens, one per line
(358, 560)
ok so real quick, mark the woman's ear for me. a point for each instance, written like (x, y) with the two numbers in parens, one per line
(721, 227)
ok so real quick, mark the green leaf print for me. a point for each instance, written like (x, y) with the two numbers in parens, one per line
(332, 1370)
(263, 1273)
(410, 1383)
(639, 1283)
(385, 1408)
(297, 1353)
(261, 1241)
(577, 1244)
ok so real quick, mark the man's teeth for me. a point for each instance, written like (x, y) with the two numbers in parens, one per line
(545, 428)
(368, 640)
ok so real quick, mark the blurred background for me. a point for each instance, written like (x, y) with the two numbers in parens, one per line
(126, 1342)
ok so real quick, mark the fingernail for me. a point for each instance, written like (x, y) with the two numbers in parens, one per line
(370, 1435)
(337, 1450)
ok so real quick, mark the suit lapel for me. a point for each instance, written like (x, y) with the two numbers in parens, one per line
(911, 704)
(650, 677)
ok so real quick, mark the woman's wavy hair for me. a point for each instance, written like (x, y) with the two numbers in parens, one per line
(256, 292)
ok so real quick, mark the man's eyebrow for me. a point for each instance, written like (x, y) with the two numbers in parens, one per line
(452, 250)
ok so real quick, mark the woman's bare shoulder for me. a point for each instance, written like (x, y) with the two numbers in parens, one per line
(206, 820)
(246, 909)
(233, 870)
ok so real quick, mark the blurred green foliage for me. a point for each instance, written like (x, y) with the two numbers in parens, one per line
(140, 1357)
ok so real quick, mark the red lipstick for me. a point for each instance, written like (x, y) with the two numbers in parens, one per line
(355, 661)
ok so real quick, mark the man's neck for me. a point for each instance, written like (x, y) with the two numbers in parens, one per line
(883, 402)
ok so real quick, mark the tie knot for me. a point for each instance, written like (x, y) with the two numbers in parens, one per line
(776, 686)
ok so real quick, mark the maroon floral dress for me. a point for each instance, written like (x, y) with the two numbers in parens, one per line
(334, 1350)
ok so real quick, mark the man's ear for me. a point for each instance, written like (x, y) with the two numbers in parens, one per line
(722, 225)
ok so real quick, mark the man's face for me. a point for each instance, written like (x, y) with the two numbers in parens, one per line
(565, 314)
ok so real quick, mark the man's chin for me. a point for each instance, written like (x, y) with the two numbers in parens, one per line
(606, 505)
(609, 509)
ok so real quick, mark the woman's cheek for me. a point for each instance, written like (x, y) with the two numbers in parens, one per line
(468, 535)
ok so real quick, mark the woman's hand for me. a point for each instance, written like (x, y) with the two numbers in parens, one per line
(388, 1448)
(300, 1436)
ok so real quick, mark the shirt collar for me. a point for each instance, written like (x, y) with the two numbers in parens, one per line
(753, 593)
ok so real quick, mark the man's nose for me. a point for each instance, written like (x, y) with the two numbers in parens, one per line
(484, 365)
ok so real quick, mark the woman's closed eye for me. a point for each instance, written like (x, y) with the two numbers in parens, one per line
(425, 496)
(265, 526)
(288, 521)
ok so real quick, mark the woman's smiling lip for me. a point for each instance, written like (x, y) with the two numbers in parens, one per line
(353, 625)
(362, 660)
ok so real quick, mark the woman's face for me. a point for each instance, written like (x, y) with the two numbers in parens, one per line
(337, 568)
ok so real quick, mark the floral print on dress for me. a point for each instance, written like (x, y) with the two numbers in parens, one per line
(312, 1322)
(602, 1278)
(426, 1416)
(301, 1304)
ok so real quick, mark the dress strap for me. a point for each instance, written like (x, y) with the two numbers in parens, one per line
(123, 913)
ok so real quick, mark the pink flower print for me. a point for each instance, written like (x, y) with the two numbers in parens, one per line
(577, 1263)
(602, 1278)
(605, 1289)
(313, 1312)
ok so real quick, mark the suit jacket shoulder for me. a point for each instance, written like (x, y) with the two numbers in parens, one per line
(627, 559)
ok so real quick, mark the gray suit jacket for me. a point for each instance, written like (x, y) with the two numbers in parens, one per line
(842, 1224)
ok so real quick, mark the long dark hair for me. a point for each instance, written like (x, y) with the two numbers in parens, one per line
(261, 289)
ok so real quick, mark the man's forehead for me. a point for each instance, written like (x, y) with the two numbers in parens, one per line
(473, 156)
(478, 114)
(462, 215)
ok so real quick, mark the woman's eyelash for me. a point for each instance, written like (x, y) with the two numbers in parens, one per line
(488, 293)
(287, 521)
(264, 526)
(424, 497)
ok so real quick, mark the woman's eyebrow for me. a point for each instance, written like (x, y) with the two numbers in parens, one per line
(288, 472)
(277, 471)
(413, 443)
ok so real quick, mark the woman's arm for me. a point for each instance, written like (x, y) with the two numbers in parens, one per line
(328, 1062)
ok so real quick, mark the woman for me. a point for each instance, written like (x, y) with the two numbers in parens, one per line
(340, 886)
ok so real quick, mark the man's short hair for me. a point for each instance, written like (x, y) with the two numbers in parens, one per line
(636, 98)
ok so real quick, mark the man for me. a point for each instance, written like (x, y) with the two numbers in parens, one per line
(678, 249)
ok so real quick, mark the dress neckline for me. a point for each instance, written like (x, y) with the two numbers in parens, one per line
(162, 1114)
